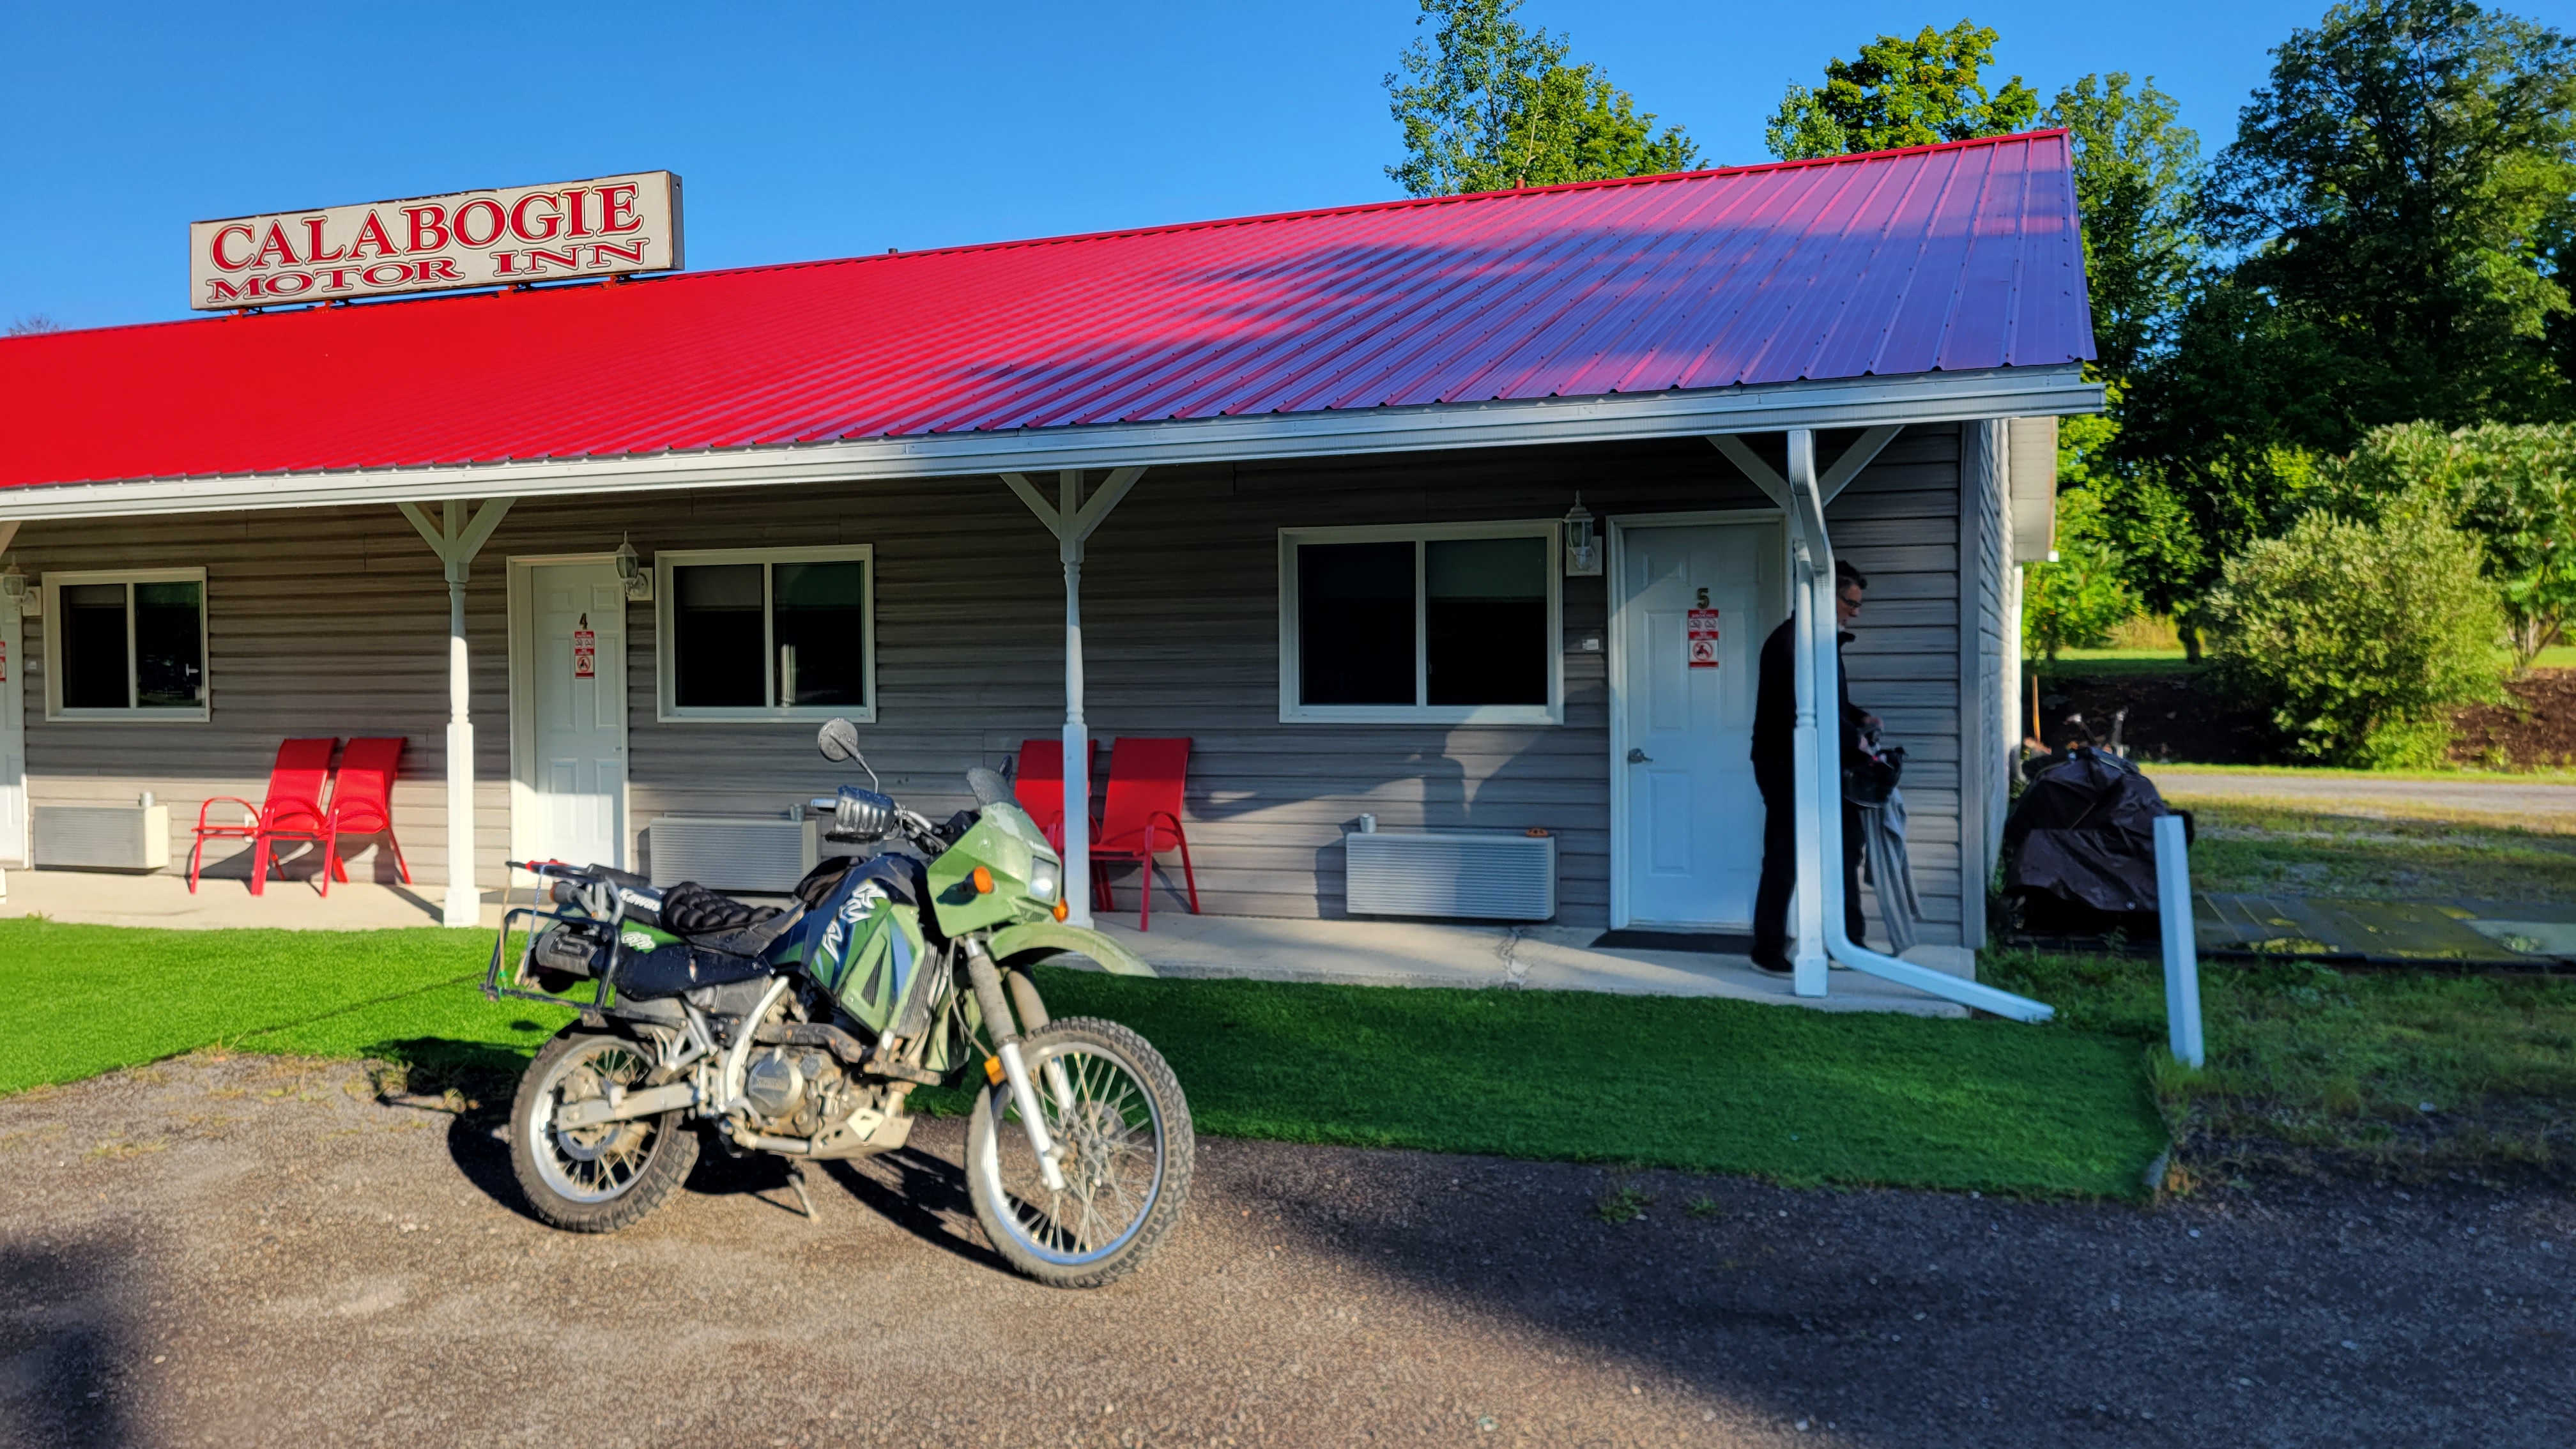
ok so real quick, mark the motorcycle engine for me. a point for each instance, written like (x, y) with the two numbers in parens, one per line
(796, 1091)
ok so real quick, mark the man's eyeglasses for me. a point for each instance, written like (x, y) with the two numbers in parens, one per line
(1852, 600)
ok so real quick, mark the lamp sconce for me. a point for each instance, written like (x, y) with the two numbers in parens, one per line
(632, 573)
(1582, 545)
(18, 589)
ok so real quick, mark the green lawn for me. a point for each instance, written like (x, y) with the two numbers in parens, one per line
(2311, 1067)
(1702, 1084)
(2282, 848)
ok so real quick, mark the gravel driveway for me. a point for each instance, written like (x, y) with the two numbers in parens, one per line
(251, 1251)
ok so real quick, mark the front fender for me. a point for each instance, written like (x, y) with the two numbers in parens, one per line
(1013, 941)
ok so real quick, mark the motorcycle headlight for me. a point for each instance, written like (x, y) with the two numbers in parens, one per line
(1042, 881)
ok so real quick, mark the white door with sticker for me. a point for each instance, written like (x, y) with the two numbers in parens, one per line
(577, 677)
(1693, 604)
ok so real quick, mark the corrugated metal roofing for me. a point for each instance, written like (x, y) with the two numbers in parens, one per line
(1938, 258)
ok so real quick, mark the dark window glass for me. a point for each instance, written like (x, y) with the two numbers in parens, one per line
(715, 614)
(1355, 623)
(820, 621)
(93, 634)
(1485, 620)
(169, 646)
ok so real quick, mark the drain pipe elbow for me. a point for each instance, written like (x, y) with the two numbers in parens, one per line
(1817, 673)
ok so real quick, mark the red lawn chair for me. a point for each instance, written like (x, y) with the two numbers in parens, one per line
(1142, 816)
(362, 803)
(293, 810)
(1038, 782)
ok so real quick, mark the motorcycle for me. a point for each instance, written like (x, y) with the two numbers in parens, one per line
(800, 1031)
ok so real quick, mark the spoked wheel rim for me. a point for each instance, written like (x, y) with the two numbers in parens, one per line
(1109, 1137)
(599, 1163)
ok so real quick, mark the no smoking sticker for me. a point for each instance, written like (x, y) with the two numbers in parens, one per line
(1703, 638)
(585, 651)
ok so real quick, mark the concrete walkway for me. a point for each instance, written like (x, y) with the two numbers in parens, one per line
(2476, 797)
(1385, 953)
(1547, 958)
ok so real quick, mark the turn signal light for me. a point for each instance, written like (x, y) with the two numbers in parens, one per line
(1062, 910)
(983, 881)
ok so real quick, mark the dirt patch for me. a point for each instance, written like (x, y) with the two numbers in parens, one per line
(2176, 716)
(2536, 729)
(2184, 717)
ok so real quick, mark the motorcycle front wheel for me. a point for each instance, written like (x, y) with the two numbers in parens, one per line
(1124, 1141)
(600, 1178)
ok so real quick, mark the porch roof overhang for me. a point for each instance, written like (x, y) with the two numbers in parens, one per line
(1818, 404)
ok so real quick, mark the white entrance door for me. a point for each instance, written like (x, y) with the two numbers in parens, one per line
(576, 696)
(13, 737)
(1692, 849)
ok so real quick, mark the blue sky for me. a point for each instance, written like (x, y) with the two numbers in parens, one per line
(813, 130)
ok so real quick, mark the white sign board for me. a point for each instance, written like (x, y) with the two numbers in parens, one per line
(596, 228)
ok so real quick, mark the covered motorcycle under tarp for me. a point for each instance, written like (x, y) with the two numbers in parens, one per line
(2080, 848)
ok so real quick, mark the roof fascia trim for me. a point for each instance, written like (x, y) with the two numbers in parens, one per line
(1855, 402)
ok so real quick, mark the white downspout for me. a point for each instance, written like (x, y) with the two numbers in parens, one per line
(1077, 733)
(1820, 792)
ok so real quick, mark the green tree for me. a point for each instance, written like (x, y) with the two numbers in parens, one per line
(1490, 105)
(2137, 182)
(1902, 93)
(2512, 488)
(2395, 189)
(2137, 176)
(2360, 637)
(2077, 600)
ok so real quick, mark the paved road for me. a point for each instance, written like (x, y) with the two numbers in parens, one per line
(2501, 797)
(247, 1252)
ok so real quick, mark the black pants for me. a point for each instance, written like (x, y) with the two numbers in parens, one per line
(1780, 865)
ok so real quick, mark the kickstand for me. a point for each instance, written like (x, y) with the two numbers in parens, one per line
(796, 1179)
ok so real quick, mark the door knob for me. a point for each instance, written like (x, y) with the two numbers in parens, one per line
(1639, 757)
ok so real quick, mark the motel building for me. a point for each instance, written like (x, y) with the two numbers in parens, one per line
(1466, 515)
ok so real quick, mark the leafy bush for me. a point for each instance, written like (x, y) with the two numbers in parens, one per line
(2512, 488)
(2077, 601)
(2358, 637)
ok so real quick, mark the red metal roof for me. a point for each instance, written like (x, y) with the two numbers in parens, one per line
(1937, 258)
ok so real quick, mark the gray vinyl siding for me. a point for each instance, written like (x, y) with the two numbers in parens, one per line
(333, 621)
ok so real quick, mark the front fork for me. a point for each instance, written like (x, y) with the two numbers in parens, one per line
(996, 1008)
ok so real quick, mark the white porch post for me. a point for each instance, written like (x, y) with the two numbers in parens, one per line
(1072, 521)
(456, 538)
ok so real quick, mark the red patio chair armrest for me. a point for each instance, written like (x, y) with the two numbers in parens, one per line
(247, 808)
(1177, 836)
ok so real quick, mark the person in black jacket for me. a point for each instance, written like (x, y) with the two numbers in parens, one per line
(1775, 717)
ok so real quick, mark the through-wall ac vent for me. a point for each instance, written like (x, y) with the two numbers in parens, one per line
(1462, 874)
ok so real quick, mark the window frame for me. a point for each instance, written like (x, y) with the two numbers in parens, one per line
(666, 658)
(1291, 711)
(56, 580)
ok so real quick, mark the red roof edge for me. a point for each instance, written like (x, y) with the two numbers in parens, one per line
(1263, 218)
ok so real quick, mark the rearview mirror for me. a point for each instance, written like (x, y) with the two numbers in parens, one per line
(838, 739)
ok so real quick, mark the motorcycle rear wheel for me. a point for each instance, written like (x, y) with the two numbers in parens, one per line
(1125, 1141)
(602, 1178)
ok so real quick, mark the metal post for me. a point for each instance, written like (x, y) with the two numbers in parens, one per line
(2182, 951)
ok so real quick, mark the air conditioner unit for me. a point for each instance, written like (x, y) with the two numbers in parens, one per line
(103, 837)
(733, 853)
(1469, 875)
